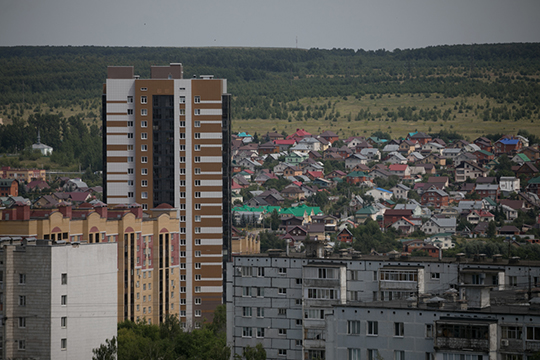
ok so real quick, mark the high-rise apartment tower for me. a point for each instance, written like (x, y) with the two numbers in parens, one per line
(166, 141)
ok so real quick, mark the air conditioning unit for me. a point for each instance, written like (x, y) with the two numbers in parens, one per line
(504, 342)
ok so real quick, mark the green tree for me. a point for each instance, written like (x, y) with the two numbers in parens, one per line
(106, 351)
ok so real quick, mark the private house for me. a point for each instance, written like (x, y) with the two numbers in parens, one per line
(400, 191)
(421, 138)
(508, 146)
(357, 177)
(407, 146)
(439, 225)
(380, 194)
(268, 148)
(483, 156)
(435, 160)
(401, 170)
(390, 216)
(488, 190)
(404, 225)
(9, 187)
(435, 197)
(355, 159)
(296, 157)
(345, 236)
(509, 184)
(284, 145)
(466, 170)
(329, 136)
(299, 135)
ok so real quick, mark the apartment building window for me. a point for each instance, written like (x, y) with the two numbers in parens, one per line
(373, 328)
(144, 147)
(282, 311)
(197, 289)
(197, 206)
(22, 322)
(282, 271)
(197, 147)
(198, 301)
(260, 271)
(182, 100)
(129, 112)
(198, 253)
(182, 159)
(247, 332)
(22, 279)
(144, 195)
(197, 194)
(298, 342)
(64, 279)
(260, 311)
(130, 194)
(197, 123)
(399, 328)
(144, 183)
(354, 354)
(144, 171)
(182, 111)
(182, 254)
(372, 354)
(182, 301)
(144, 89)
(182, 242)
(144, 136)
(63, 300)
(182, 218)
(282, 331)
(198, 182)
(197, 230)
(144, 123)
(22, 300)
(130, 159)
(399, 355)
(282, 352)
(144, 112)
(197, 265)
(298, 301)
(260, 332)
(130, 182)
(299, 281)
(63, 321)
(247, 311)
(22, 345)
(353, 327)
(130, 135)
(198, 277)
(197, 111)
(182, 266)
(197, 99)
(260, 292)
(130, 147)
(197, 171)
(197, 241)
(130, 99)
(299, 322)
(197, 135)
(197, 159)
(144, 100)
(429, 330)
(182, 289)
(182, 231)
(282, 291)
(197, 218)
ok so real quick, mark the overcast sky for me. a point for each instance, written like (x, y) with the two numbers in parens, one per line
(353, 24)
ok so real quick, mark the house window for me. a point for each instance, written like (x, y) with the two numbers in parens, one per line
(64, 279)
(197, 230)
(144, 89)
(182, 147)
(260, 312)
(144, 100)
(197, 182)
(282, 271)
(399, 355)
(198, 313)
(130, 135)
(144, 112)
(63, 344)
(130, 171)
(429, 330)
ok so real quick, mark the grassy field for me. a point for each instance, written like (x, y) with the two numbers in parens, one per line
(469, 122)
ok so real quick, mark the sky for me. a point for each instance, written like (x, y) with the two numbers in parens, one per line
(324, 24)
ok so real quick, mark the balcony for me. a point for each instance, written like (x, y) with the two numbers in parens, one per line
(513, 345)
(463, 344)
(532, 346)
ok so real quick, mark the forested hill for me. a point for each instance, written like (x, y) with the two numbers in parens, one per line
(71, 74)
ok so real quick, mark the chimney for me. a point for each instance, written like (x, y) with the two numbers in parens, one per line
(23, 212)
(65, 210)
(102, 211)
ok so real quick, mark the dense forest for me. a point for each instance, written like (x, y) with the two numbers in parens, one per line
(39, 83)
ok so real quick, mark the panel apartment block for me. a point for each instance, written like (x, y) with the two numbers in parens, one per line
(166, 142)
(58, 301)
